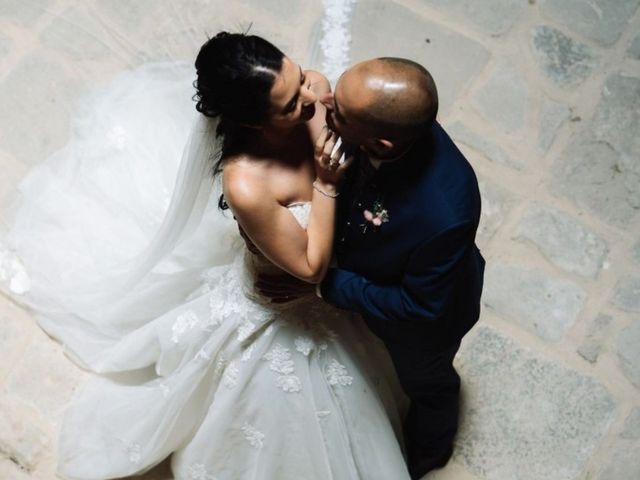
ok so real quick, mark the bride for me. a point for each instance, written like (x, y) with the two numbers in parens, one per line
(125, 257)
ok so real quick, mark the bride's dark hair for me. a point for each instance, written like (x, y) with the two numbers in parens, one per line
(235, 74)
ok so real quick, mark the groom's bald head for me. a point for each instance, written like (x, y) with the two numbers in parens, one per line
(396, 97)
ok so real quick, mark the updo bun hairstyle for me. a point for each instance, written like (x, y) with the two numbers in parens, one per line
(235, 74)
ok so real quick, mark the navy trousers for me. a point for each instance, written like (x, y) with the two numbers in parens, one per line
(433, 387)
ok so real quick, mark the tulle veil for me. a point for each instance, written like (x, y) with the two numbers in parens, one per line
(119, 225)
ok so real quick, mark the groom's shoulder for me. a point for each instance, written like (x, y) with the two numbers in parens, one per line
(444, 146)
(448, 180)
(442, 160)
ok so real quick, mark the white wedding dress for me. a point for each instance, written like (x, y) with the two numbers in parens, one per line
(190, 360)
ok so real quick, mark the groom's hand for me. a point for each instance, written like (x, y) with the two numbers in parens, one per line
(282, 288)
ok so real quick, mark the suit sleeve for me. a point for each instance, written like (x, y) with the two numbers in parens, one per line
(426, 289)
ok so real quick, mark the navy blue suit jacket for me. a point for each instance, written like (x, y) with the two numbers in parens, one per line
(417, 278)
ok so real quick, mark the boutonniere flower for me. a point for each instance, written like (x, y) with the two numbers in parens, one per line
(375, 217)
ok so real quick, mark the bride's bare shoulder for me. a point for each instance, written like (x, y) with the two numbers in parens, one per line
(244, 183)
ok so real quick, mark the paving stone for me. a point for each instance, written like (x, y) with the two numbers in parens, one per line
(627, 294)
(496, 204)
(589, 172)
(483, 14)
(421, 40)
(504, 99)
(21, 438)
(599, 169)
(629, 353)
(563, 240)
(525, 417)
(592, 344)
(38, 93)
(602, 21)
(634, 48)
(624, 463)
(45, 377)
(562, 59)
(461, 133)
(636, 252)
(616, 122)
(24, 13)
(545, 305)
(78, 34)
(552, 116)
(631, 430)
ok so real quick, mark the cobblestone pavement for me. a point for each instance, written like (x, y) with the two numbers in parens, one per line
(544, 98)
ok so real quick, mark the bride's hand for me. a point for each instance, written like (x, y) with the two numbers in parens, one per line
(329, 170)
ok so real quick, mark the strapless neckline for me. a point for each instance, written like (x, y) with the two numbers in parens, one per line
(300, 210)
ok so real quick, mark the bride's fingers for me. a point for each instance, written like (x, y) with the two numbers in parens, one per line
(323, 148)
(344, 165)
(321, 141)
(337, 152)
(337, 158)
(328, 148)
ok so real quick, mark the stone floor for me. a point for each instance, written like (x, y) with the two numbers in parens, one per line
(544, 98)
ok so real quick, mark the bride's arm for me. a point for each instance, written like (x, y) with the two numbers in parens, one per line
(274, 230)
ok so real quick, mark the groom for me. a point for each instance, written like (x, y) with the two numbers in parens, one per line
(407, 262)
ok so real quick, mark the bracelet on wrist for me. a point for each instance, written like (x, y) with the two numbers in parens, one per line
(326, 194)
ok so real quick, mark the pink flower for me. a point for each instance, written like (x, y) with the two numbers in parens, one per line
(376, 217)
